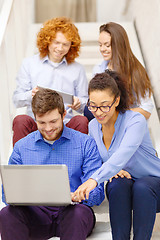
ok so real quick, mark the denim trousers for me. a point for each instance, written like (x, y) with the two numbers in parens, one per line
(135, 201)
(74, 222)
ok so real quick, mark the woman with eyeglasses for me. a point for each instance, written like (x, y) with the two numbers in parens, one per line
(130, 164)
(117, 55)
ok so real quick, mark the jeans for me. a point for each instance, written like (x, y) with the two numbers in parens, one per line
(140, 198)
(74, 222)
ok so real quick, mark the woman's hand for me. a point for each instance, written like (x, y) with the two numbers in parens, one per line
(83, 191)
(121, 174)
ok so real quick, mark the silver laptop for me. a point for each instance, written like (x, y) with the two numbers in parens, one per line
(36, 184)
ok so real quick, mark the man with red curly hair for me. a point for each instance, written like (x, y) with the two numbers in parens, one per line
(54, 67)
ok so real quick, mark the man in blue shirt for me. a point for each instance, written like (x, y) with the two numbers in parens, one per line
(54, 67)
(54, 143)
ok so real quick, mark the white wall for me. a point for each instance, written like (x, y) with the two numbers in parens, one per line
(15, 18)
(111, 10)
(147, 21)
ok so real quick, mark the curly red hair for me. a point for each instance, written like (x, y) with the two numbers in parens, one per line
(48, 32)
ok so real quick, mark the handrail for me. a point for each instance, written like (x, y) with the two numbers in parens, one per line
(4, 15)
(1, 142)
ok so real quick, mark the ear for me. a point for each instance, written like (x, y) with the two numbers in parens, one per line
(64, 114)
(117, 101)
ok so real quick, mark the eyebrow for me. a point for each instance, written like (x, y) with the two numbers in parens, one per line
(57, 41)
(108, 42)
(101, 102)
(40, 121)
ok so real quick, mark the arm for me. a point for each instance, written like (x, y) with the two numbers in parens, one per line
(15, 158)
(129, 144)
(23, 94)
(145, 107)
(92, 162)
(142, 111)
(81, 91)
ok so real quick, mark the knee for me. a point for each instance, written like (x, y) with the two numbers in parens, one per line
(80, 212)
(4, 215)
(88, 114)
(119, 186)
(79, 123)
(82, 124)
(20, 120)
(142, 188)
(81, 119)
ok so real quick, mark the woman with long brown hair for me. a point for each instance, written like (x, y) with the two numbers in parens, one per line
(117, 54)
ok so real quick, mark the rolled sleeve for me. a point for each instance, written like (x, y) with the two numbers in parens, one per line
(147, 103)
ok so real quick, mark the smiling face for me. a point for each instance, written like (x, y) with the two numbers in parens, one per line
(104, 98)
(105, 45)
(50, 124)
(58, 48)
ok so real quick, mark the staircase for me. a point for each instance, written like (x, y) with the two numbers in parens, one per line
(89, 57)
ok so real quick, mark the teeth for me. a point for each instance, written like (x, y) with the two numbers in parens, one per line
(100, 117)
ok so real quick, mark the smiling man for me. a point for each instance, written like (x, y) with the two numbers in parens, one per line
(54, 143)
(50, 125)
(54, 67)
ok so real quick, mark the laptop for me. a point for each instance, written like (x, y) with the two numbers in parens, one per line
(45, 185)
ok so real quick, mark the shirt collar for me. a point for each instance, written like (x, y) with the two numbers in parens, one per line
(46, 59)
(104, 65)
(65, 134)
(38, 136)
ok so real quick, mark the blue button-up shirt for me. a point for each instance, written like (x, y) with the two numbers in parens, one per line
(77, 150)
(64, 77)
(131, 148)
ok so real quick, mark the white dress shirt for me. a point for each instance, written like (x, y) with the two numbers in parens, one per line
(64, 77)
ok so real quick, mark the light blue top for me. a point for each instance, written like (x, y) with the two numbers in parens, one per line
(145, 103)
(131, 148)
(76, 150)
(68, 78)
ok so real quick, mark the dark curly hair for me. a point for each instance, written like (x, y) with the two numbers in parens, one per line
(116, 83)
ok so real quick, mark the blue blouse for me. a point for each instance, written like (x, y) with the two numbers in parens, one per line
(131, 148)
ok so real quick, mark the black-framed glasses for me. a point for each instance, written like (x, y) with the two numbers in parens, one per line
(104, 109)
